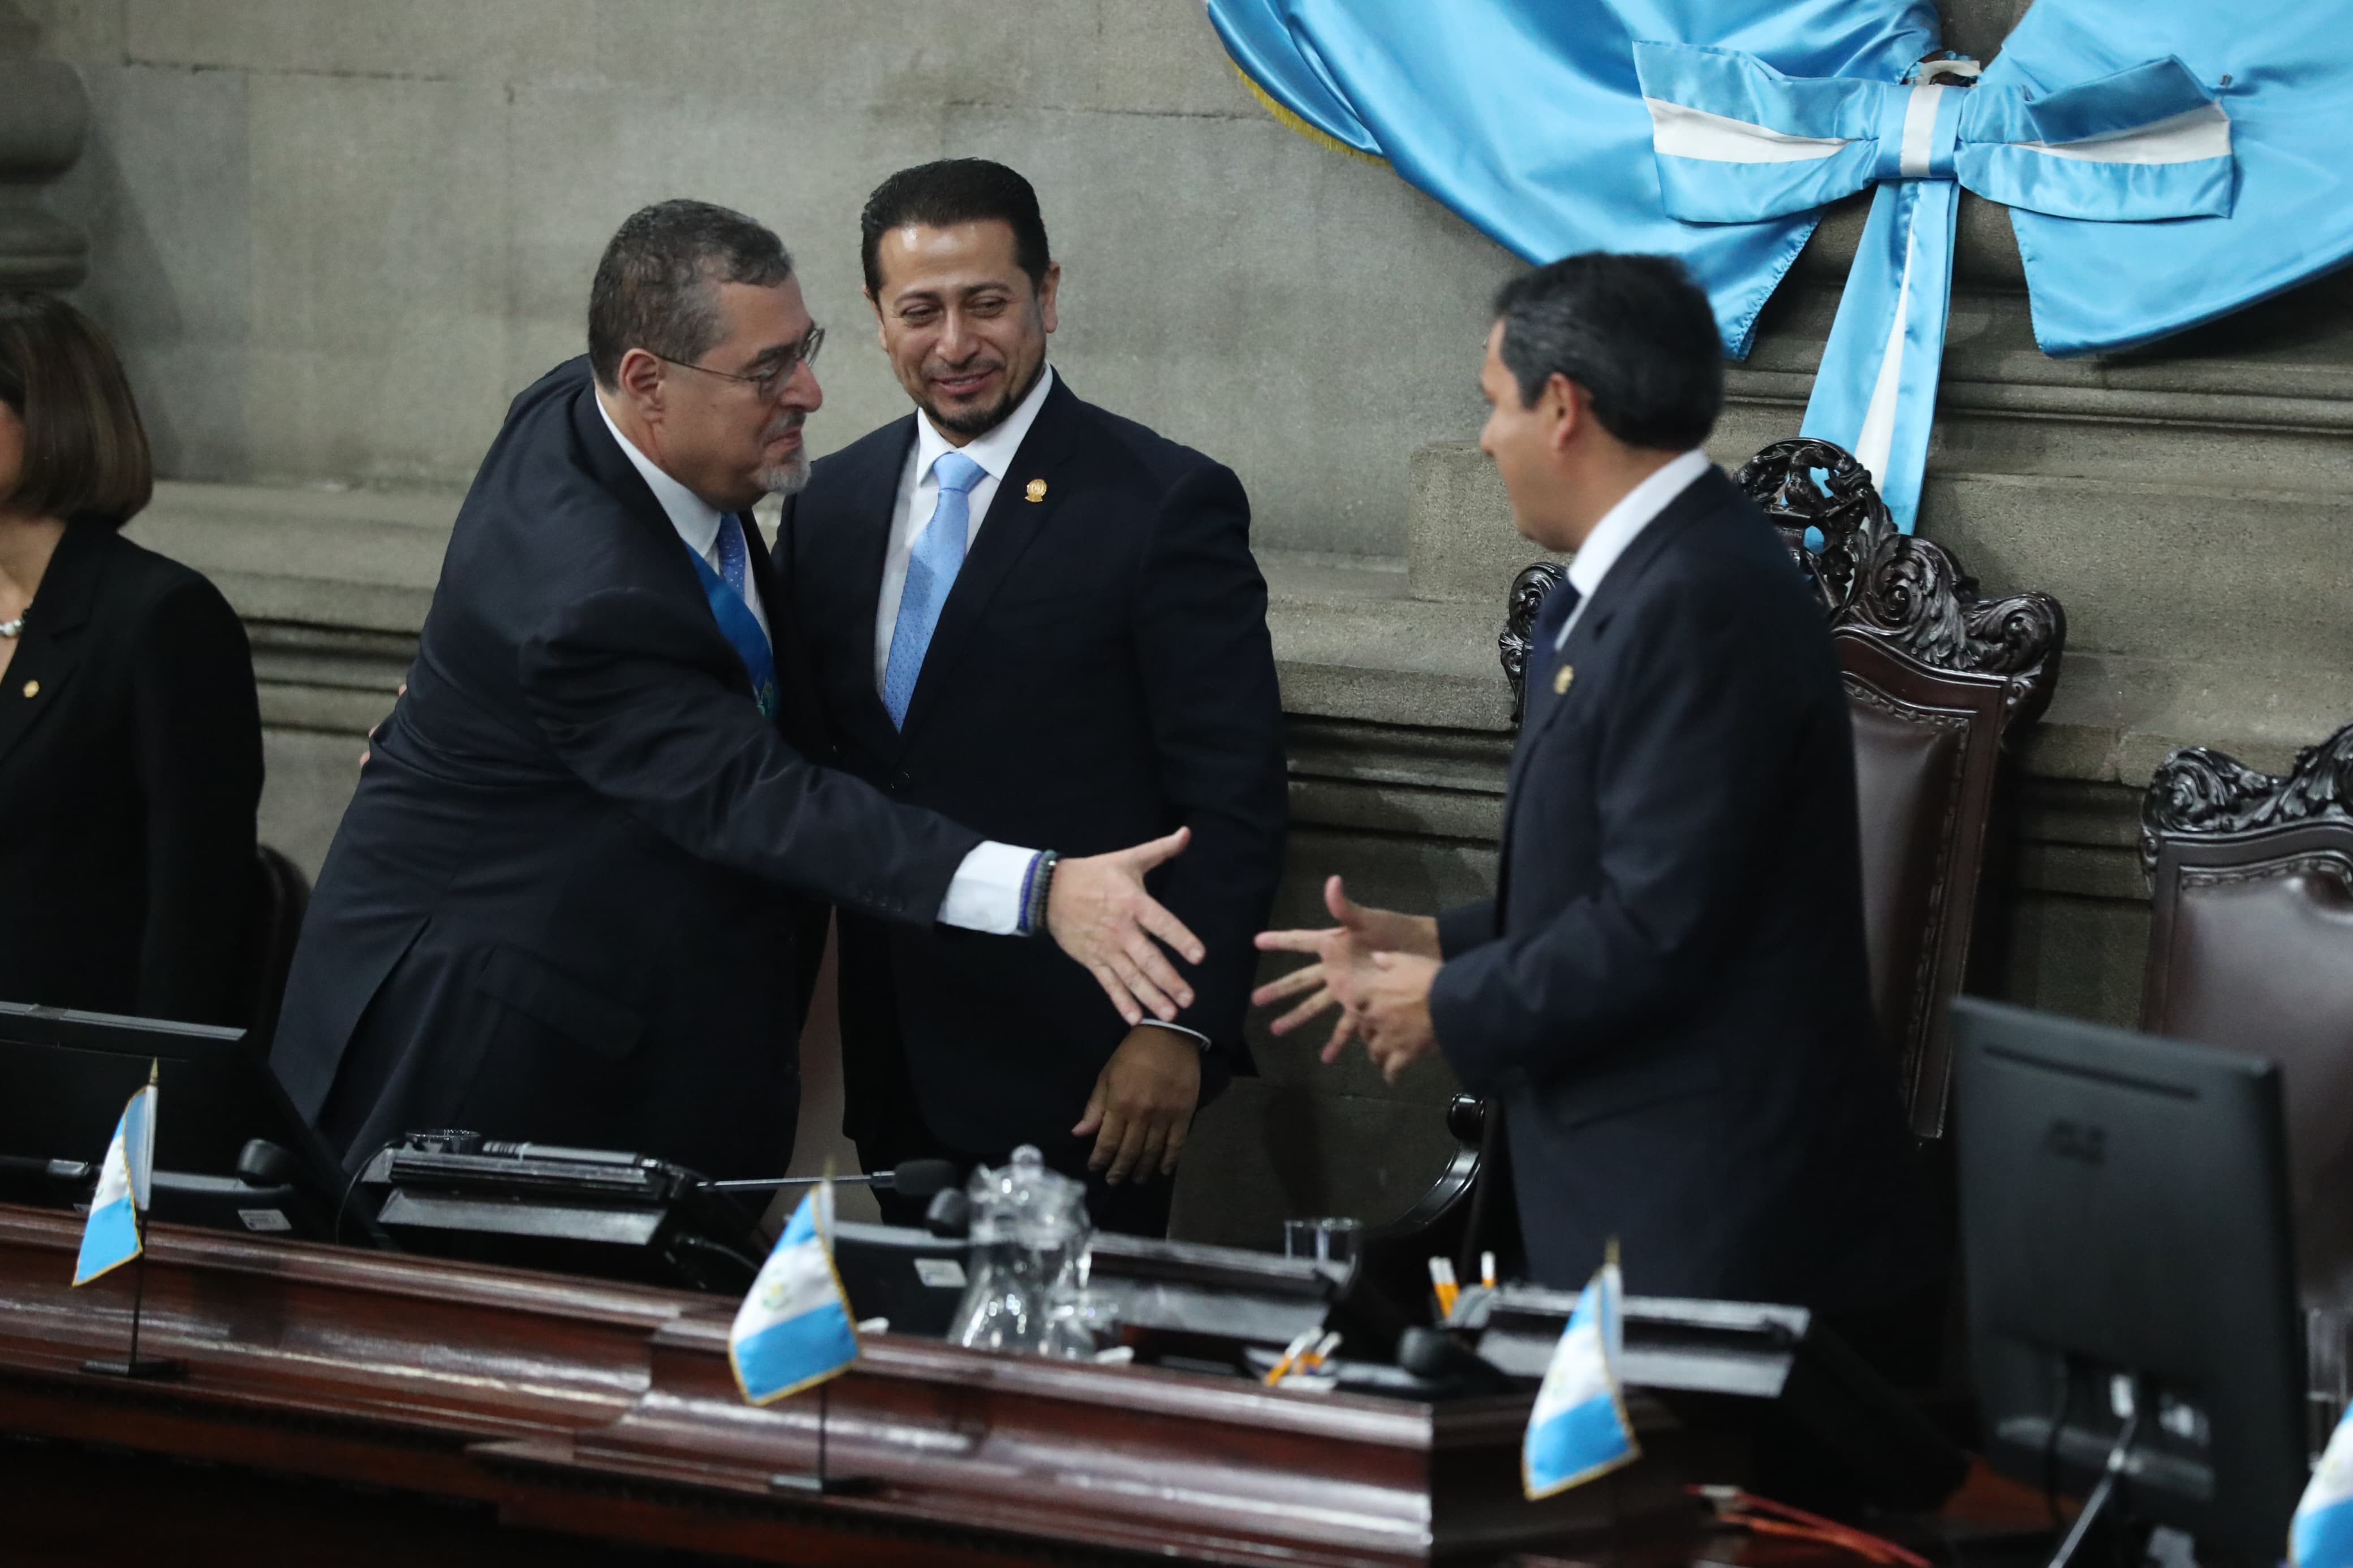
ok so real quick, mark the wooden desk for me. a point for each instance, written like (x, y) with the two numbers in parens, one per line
(494, 1413)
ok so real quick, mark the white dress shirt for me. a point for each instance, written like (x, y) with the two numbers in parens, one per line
(919, 496)
(1621, 525)
(985, 893)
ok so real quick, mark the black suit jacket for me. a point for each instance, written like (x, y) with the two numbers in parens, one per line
(1668, 991)
(129, 769)
(560, 894)
(1101, 674)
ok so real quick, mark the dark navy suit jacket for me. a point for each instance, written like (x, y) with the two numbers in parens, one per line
(1101, 674)
(129, 767)
(560, 905)
(1668, 991)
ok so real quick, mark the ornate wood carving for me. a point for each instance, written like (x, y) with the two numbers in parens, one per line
(2202, 793)
(1907, 593)
(1520, 607)
(1920, 645)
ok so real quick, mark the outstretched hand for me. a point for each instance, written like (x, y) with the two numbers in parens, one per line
(1344, 962)
(1099, 914)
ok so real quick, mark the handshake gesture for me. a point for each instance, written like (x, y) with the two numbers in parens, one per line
(1376, 965)
(1098, 913)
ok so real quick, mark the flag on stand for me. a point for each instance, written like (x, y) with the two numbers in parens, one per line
(1579, 1429)
(794, 1329)
(2321, 1534)
(110, 1237)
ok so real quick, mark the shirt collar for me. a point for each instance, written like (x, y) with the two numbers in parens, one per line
(1623, 523)
(993, 451)
(696, 519)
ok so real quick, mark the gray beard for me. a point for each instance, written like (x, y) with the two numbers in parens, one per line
(786, 479)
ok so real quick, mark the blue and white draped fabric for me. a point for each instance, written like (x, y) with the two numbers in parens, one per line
(2321, 1534)
(110, 1237)
(1524, 116)
(1579, 1429)
(2164, 161)
(734, 613)
(794, 1329)
(1738, 142)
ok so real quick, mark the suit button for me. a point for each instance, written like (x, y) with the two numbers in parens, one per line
(900, 780)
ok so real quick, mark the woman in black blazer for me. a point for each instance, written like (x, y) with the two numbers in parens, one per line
(130, 738)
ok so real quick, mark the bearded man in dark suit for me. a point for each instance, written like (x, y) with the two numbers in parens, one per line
(567, 903)
(1039, 619)
(1668, 991)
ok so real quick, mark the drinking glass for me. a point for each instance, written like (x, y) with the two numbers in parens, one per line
(2328, 1372)
(1331, 1239)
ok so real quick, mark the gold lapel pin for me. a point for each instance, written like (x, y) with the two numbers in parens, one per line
(1560, 679)
(1037, 490)
(32, 689)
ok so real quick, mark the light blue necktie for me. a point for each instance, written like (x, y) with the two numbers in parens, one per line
(932, 568)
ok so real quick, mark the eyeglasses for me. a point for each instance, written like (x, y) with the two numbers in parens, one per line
(764, 384)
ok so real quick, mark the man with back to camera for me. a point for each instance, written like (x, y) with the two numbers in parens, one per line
(1039, 619)
(1668, 991)
(561, 905)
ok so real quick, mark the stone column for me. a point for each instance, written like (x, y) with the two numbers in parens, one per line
(44, 120)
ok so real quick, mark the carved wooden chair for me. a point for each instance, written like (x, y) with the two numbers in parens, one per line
(1939, 679)
(2251, 948)
(280, 895)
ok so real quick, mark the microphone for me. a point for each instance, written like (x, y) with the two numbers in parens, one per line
(915, 1178)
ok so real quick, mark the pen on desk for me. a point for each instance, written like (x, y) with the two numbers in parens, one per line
(1442, 1280)
(1290, 1356)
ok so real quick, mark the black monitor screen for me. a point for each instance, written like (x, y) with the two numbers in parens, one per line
(68, 1075)
(2125, 1225)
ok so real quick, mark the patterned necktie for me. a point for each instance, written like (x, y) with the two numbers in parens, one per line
(733, 568)
(932, 568)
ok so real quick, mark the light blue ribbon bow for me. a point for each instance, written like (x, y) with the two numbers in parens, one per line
(1737, 142)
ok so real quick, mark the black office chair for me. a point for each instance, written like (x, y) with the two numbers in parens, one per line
(282, 893)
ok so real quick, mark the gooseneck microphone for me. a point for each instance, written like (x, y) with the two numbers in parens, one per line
(915, 1178)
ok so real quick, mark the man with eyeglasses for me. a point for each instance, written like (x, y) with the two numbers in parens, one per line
(1043, 620)
(570, 902)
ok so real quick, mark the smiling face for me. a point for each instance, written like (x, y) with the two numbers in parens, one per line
(965, 328)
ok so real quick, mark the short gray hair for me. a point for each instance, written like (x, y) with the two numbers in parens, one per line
(654, 288)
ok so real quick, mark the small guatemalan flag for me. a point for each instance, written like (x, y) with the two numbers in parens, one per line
(111, 1237)
(794, 1329)
(1579, 1429)
(2321, 1535)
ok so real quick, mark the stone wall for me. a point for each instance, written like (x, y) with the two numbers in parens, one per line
(335, 239)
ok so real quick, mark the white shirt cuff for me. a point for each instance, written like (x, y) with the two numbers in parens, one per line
(986, 894)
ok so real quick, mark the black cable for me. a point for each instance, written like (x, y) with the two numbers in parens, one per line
(2094, 1506)
(335, 1237)
(2050, 1438)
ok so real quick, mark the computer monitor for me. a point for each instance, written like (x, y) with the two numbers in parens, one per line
(2125, 1232)
(68, 1074)
(910, 1276)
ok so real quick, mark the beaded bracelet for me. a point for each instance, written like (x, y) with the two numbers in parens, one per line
(1037, 890)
